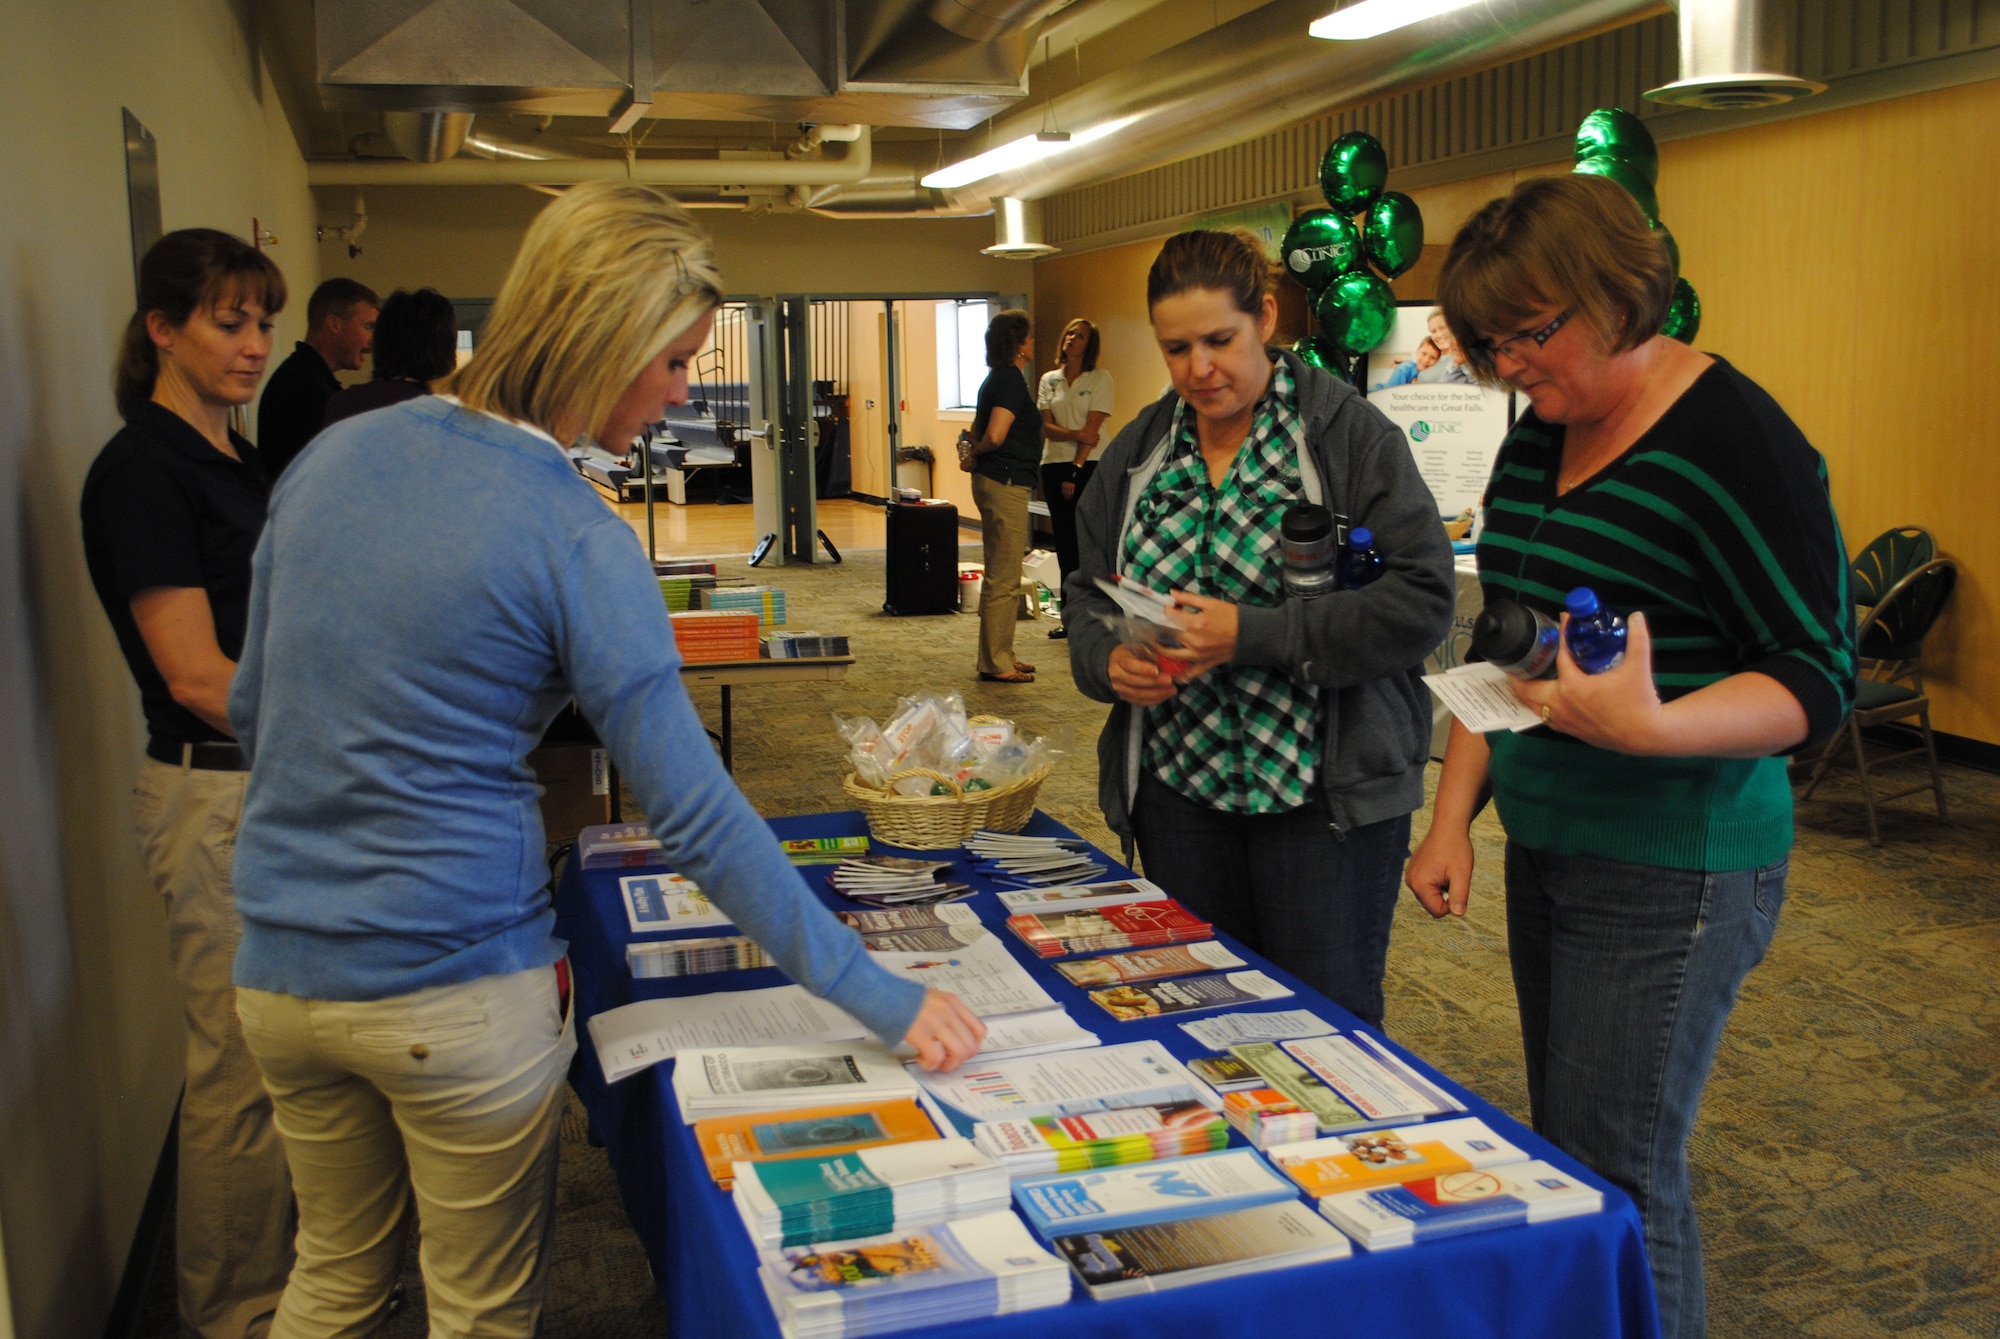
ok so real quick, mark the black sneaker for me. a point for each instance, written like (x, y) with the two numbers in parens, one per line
(1058, 633)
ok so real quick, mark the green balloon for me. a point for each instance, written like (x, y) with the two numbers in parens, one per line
(1319, 247)
(1673, 247)
(1353, 171)
(1624, 174)
(1393, 236)
(1356, 311)
(1683, 314)
(1317, 351)
(1613, 132)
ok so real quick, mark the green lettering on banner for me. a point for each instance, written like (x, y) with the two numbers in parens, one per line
(1266, 222)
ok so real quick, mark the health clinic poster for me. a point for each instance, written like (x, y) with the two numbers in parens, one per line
(1418, 376)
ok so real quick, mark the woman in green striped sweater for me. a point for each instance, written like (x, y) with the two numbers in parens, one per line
(1649, 821)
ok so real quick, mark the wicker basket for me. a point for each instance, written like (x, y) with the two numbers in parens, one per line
(939, 822)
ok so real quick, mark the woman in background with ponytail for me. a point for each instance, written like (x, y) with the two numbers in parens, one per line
(172, 511)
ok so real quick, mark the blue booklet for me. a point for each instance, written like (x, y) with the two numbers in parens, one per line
(1150, 1192)
(1445, 1206)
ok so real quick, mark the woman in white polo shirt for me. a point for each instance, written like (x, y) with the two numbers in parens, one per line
(1075, 400)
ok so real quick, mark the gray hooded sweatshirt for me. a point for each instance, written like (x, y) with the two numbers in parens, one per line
(1365, 647)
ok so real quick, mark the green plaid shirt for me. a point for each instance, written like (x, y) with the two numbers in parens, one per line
(1241, 738)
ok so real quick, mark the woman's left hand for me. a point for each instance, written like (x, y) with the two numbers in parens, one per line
(1208, 631)
(1618, 710)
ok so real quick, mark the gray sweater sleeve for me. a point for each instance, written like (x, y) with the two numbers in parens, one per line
(1349, 637)
(1100, 514)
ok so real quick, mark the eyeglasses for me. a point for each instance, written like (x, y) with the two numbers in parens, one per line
(1511, 346)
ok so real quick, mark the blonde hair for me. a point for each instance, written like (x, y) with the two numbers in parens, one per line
(606, 278)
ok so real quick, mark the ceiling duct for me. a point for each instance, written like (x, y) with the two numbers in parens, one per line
(426, 137)
(1260, 72)
(988, 20)
(851, 167)
(1017, 230)
(1734, 56)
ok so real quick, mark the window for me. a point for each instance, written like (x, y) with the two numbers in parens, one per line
(961, 352)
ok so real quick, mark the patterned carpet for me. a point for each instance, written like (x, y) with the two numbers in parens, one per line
(1847, 1160)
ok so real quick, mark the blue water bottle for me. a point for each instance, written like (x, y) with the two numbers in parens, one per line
(1359, 563)
(1596, 633)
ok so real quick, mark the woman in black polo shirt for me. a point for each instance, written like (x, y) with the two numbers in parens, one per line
(172, 509)
(1007, 440)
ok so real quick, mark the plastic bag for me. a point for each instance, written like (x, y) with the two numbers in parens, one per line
(931, 731)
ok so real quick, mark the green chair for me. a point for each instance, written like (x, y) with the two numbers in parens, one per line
(1890, 642)
(1889, 557)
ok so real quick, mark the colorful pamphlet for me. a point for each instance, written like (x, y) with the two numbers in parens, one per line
(1371, 1078)
(1298, 1083)
(1459, 1202)
(894, 1188)
(1055, 934)
(985, 1266)
(1077, 896)
(1153, 999)
(1195, 1250)
(766, 1135)
(1389, 1157)
(1151, 1192)
(694, 957)
(1267, 1118)
(1149, 964)
(659, 902)
(1043, 1145)
(1225, 1073)
(822, 850)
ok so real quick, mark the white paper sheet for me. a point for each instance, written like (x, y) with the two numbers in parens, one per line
(983, 974)
(1037, 1033)
(1482, 697)
(636, 1036)
(1226, 1030)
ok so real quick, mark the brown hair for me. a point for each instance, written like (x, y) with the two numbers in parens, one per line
(185, 270)
(1005, 334)
(1576, 241)
(1089, 345)
(338, 297)
(1231, 262)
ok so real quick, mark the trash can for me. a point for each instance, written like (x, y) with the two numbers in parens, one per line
(913, 468)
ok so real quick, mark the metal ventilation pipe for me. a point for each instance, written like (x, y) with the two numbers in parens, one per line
(427, 137)
(988, 20)
(1017, 230)
(853, 166)
(1736, 54)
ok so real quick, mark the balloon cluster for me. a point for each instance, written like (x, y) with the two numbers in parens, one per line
(1613, 144)
(1330, 251)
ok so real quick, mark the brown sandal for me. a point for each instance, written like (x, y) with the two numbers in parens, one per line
(1016, 677)
(1023, 667)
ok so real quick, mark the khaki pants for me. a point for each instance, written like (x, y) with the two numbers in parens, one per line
(233, 1212)
(1003, 518)
(452, 1096)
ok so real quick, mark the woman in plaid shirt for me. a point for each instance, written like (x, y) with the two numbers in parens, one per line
(1269, 787)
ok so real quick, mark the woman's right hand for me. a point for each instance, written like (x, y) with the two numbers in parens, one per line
(1440, 873)
(945, 1034)
(1138, 679)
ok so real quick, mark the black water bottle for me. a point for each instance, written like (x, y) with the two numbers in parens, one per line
(1305, 533)
(1520, 640)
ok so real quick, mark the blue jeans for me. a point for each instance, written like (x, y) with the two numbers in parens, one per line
(1625, 975)
(1315, 901)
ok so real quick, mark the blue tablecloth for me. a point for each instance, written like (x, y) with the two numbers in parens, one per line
(1575, 1277)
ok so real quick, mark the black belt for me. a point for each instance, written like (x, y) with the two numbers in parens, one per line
(211, 757)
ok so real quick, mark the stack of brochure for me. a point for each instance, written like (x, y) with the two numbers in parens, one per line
(808, 1132)
(1371, 1078)
(1007, 857)
(695, 957)
(1118, 969)
(911, 929)
(1136, 1074)
(1295, 1082)
(1106, 1199)
(747, 1079)
(1045, 1145)
(1459, 1202)
(1156, 999)
(894, 880)
(982, 973)
(1389, 1157)
(977, 1267)
(1195, 1250)
(619, 846)
(798, 1201)
(660, 902)
(823, 850)
(1267, 1118)
(1054, 934)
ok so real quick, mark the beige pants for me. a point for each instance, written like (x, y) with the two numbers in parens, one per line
(1003, 518)
(233, 1211)
(452, 1096)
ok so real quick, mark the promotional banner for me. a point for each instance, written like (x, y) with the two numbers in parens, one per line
(1418, 376)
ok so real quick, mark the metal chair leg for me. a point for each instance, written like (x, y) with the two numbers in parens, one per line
(1867, 789)
(1937, 776)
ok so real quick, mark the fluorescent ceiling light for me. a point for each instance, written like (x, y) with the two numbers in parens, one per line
(1372, 18)
(498, 150)
(1018, 153)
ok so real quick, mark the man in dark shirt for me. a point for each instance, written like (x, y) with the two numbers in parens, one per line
(340, 331)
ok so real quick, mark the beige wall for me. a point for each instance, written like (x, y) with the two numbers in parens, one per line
(90, 1033)
(1845, 261)
(460, 241)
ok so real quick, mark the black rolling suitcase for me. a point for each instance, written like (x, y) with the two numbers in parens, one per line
(923, 558)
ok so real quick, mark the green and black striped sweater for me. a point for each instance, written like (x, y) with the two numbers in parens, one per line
(1716, 524)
